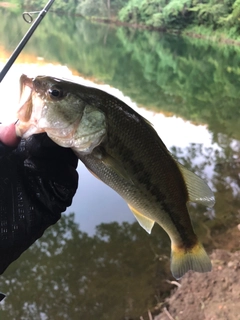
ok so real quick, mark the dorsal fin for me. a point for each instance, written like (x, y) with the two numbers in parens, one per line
(148, 122)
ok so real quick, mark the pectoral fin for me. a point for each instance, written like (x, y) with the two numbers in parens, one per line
(198, 190)
(144, 222)
(112, 163)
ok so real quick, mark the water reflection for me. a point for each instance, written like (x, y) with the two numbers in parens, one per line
(69, 275)
(118, 271)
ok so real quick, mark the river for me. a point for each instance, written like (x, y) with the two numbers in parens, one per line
(97, 262)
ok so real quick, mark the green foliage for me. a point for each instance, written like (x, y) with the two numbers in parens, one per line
(233, 19)
(178, 14)
(131, 11)
(210, 13)
(161, 14)
(87, 8)
(92, 8)
(66, 6)
(156, 13)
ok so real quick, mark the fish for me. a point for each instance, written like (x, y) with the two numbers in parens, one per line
(122, 149)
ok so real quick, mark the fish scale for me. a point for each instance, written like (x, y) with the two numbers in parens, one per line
(123, 150)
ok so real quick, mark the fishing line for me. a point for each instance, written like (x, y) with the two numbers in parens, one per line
(27, 16)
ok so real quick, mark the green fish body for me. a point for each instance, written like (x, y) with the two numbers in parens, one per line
(123, 150)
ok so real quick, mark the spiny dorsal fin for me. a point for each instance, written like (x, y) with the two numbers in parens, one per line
(198, 190)
(144, 222)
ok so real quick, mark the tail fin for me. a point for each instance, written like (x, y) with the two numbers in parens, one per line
(184, 259)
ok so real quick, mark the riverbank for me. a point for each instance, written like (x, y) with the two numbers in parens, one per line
(217, 36)
(210, 296)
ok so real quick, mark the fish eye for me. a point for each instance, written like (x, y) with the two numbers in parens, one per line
(55, 92)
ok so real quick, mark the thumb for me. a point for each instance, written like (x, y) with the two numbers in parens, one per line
(8, 135)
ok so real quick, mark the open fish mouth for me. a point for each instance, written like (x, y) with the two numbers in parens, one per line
(25, 110)
(47, 107)
(28, 114)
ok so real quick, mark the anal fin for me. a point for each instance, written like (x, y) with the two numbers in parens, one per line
(144, 222)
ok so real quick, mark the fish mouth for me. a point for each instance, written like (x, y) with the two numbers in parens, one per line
(26, 81)
(26, 124)
(32, 105)
(25, 102)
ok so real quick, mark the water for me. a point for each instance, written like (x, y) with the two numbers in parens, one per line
(98, 263)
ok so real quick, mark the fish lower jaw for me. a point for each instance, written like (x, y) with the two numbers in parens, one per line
(25, 131)
(85, 147)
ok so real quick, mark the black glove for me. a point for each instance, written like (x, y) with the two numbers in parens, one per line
(38, 180)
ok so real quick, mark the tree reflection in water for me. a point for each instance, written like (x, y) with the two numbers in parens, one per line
(67, 274)
(121, 271)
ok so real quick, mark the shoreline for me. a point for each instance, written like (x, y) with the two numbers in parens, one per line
(220, 38)
(213, 295)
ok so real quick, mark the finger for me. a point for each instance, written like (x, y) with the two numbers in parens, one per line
(8, 135)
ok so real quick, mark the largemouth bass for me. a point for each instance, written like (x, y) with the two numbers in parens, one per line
(123, 150)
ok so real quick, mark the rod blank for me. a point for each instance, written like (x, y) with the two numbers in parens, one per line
(25, 39)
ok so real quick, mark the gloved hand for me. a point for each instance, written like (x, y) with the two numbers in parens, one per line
(38, 180)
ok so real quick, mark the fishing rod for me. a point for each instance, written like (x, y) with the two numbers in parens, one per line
(28, 18)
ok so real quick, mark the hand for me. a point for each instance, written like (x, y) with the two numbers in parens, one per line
(38, 180)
